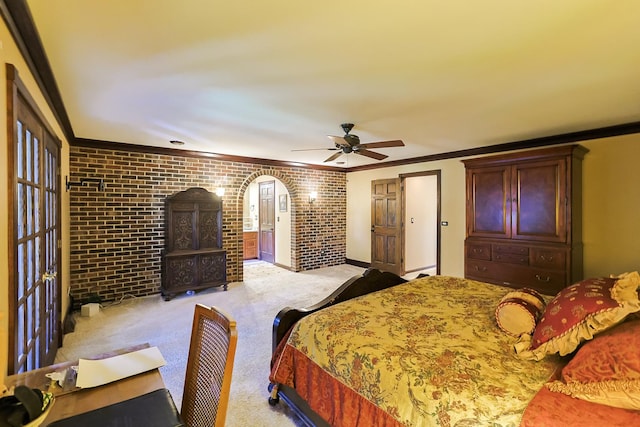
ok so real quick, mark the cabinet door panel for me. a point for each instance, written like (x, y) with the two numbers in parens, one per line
(538, 201)
(210, 235)
(487, 202)
(212, 268)
(182, 230)
(181, 272)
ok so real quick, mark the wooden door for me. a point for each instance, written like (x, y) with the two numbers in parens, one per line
(539, 201)
(489, 202)
(386, 231)
(267, 214)
(34, 280)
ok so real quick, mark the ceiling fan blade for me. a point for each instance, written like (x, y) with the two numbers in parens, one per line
(334, 156)
(383, 144)
(316, 149)
(371, 154)
(339, 140)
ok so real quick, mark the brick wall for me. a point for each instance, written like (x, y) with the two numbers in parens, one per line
(117, 235)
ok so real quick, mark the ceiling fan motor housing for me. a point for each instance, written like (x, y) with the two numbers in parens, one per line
(352, 140)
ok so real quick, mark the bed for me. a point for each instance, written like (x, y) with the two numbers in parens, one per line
(383, 351)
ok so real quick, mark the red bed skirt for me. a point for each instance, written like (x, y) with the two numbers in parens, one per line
(336, 403)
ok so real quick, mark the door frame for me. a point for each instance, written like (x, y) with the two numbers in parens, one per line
(438, 174)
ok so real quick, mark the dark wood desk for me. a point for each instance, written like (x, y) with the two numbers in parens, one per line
(76, 400)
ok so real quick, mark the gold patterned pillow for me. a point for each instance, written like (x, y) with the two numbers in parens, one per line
(518, 311)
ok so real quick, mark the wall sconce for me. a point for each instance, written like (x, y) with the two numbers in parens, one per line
(99, 181)
(313, 196)
(220, 191)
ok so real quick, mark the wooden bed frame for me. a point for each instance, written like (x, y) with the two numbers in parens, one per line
(371, 280)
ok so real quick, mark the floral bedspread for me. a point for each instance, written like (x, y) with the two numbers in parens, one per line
(423, 353)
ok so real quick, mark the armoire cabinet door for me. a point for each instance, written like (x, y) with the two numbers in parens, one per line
(523, 201)
(181, 228)
(539, 200)
(488, 202)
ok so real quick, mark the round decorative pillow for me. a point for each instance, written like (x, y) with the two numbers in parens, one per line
(529, 295)
(519, 311)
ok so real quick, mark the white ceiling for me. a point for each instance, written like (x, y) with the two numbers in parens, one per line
(258, 79)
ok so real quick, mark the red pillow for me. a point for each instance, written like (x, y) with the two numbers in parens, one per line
(572, 305)
(579, 312)
(606, 370)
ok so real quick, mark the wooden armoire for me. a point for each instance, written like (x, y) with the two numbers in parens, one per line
(524, 219)
(193, 256)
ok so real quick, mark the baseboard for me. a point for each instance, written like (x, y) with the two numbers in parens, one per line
(357, 263)
(286, 267)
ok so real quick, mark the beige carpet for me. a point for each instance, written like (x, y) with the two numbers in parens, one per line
(167, 324)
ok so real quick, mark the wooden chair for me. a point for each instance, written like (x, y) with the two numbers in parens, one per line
(209, 367)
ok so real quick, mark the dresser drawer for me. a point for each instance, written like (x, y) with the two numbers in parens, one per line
(499, 248)
(521, 259)
(552, 281)
(552, 259)
(482, 270)
(479, 251)
(516, 276)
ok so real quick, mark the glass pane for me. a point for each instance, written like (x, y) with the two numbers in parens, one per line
(20, 152)
(53, 167)
(29, 212)
(37, 258)
(21, 340)
(36, 307)
(36, 160)
(29, 320)
(53, 210)
(36, 209)
(27, 159)
(22, 208)
(21, 282)
(30, 271)
(54, 243)
(36, 353)
(46, 210)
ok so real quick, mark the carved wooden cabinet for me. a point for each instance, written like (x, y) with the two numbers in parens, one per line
(524, 218)
(193, 256)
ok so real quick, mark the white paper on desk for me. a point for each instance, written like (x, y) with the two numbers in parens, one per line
(93, 373)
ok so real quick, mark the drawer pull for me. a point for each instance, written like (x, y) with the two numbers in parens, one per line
(477, 251)
(480, 269)
(546, 258)
(545, 279)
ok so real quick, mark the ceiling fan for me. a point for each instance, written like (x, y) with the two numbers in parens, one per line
(350, 143)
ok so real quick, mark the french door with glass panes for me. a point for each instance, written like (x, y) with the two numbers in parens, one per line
(35, 300)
